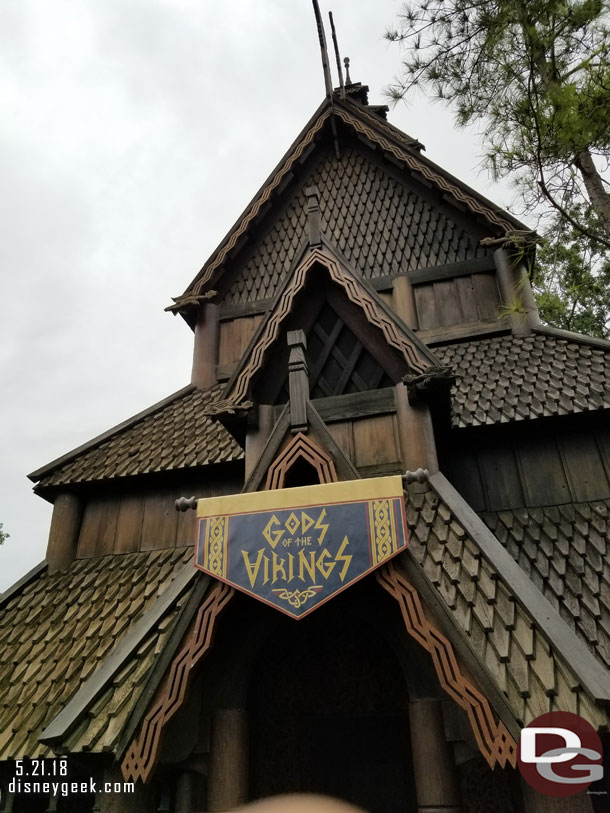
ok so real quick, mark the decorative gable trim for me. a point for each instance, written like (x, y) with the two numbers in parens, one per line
(493, 738)
(383, 136)
(415, 354)
(194, 291)
(301, 447)
(420, 166)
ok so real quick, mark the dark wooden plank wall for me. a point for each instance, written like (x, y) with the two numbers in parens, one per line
(371, 443)
(144, 519)
(529, 469)
(235, 335)
(464, 299)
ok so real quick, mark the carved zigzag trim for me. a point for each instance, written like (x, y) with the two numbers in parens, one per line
(142, 754)
(493, 738)
(273, 185)
(419, 167)
(301, 447)
(355, 292)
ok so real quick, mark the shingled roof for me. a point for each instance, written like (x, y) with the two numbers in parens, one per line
(363, 210)
(565, 551)
(58, 629)
(356, 120)
(514, 638)
(178, 434)
(516, 378)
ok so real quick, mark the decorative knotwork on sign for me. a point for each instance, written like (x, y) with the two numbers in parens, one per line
(383, 531)
(297, 598)
(493, 738)
(301, 447)
(216, 532)
(141, 755)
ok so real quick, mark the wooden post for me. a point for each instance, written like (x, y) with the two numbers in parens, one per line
(417, 445)
(64, 531)
(313, 215)
(403, 301)
(298, 380)
(228, 773)
(257, 437)
(514, 285)
(534, 802)
(433, 766)
(184, 793)
(205, 352)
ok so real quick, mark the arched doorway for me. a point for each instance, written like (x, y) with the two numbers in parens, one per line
(328, 709)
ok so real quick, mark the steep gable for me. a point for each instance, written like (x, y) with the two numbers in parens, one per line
(383, 223)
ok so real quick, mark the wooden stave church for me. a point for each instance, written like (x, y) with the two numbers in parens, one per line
(365, 316)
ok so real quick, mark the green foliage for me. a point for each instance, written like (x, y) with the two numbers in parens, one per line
(537, 73)
(571, 281)
(3, 534)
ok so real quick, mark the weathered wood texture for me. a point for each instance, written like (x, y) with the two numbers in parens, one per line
(371, 443)
(228, 777)
(433, 764)
(143, 519)
(530, 468)
(235, 335)
(205, 351)
(64, 531)
(461, 300)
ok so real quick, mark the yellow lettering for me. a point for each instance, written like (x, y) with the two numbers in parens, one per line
(306, 522)
(290, 567)
(310, 566)
(278, 567)
(325, 569)
(340, 557)
(320, 526)
(272, 537)
(253, 568)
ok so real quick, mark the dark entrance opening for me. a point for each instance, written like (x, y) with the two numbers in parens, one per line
(329, 710)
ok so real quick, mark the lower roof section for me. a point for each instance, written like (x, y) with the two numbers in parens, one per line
(514, 378)
(177, 434)
(59, 629)
(565, 551)
(499, 380)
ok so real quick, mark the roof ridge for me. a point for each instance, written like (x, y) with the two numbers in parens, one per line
(115, 430)
(387, 137)
(568, 335)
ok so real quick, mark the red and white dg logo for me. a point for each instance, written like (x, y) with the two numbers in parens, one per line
(560, 754)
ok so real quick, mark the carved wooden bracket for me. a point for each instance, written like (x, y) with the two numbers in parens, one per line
(493, 738)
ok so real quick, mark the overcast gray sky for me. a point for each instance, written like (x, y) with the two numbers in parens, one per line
(132, 134)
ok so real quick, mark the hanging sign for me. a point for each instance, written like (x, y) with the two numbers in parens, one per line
(295, 548)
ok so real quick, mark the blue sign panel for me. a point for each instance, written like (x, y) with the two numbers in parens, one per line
(295, 548)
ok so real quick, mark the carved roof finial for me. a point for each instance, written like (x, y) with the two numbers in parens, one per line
(348, 80)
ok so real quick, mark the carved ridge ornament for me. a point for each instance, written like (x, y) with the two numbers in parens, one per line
(294, 549)
(493, 738)
(355, 293)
